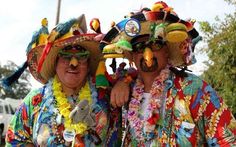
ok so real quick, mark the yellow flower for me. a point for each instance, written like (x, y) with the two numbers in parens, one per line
(65, 108)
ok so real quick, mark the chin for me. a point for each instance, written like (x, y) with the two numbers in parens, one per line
(72, 82)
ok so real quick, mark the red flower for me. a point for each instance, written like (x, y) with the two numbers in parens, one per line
(153, 120)
(37, 99)
(9, 136)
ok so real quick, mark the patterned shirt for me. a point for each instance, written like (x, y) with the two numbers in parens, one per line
(39, 122)
(194, 116)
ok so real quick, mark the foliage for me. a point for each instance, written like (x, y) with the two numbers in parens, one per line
(221, 50)
(233, 2)
(20, 88)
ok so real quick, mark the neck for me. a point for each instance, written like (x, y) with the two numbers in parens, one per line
(148, 79)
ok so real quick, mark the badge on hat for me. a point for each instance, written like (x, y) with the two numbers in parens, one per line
(132, 27)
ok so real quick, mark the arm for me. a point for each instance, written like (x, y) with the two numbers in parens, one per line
(121, 90)
(119, 94)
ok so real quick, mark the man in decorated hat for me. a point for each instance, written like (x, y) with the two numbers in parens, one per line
(168, 106)
(68, 110)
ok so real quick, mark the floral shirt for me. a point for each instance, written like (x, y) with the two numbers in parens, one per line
(39, 122)
(194, 115)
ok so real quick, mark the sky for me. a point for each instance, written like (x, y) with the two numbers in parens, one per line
(20, 18)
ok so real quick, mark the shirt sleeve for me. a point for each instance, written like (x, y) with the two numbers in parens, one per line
(20, 128)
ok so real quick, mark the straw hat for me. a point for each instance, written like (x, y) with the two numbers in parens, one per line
(72, 32)
(161, 23)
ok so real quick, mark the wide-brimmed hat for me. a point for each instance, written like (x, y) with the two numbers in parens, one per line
(161, 23)
(72, 32)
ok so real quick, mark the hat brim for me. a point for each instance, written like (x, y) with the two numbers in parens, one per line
(86, 41)
(33, 58)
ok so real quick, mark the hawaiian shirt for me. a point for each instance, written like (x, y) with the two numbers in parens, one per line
(194, 115)
(39, 122)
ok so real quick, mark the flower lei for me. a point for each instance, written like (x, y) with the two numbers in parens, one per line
(143, 128)
(65, 108)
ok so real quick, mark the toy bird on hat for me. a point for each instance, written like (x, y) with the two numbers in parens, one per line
(95, 25)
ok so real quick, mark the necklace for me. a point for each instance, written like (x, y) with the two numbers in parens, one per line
(65, 108)
(143, 128)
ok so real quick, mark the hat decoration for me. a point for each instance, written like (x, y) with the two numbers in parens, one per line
(161, 24)
(33, 52)
(116, 50)
(70, 33)
(95, 25)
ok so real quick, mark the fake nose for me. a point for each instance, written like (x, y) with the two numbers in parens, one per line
(148, 56)
(73, 62)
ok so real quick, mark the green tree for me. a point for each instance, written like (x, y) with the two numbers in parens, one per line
(20, 88)
(221, 50)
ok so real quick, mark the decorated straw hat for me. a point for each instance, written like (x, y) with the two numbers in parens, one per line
(160, 23)
(72, 32)
(33, 53)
